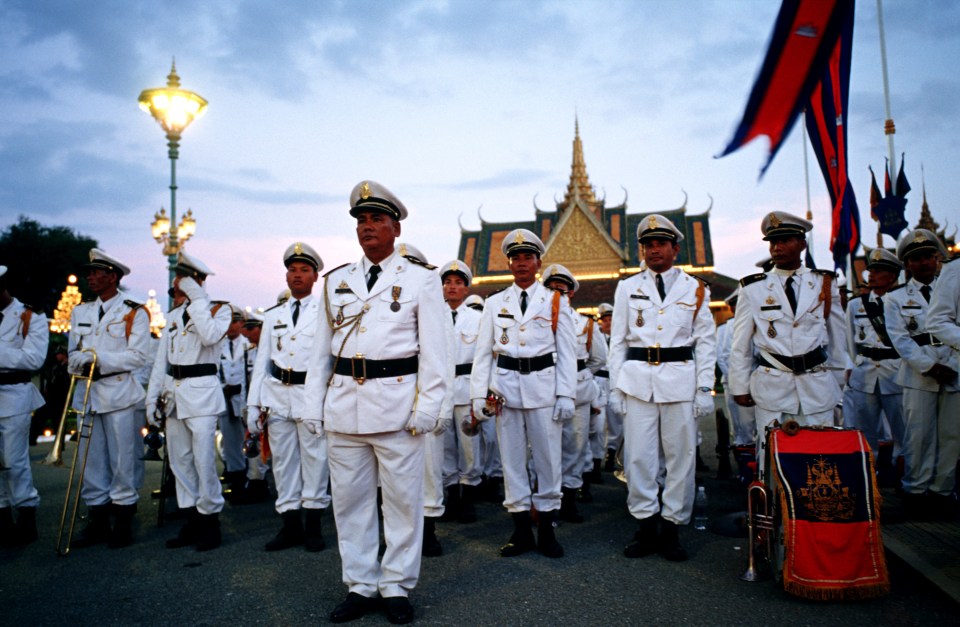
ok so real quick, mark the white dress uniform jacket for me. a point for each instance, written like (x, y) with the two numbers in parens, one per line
(588, 332)
(289, 347)
(867, 372)
(764, 311)
(232, 371)
(671, 323)
(21, 351)
(943, 316)
(354, 321)
(122, 342)
(504, 330)
(466, 332)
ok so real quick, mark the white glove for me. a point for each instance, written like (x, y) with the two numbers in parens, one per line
(253, 416)
(619, 402)
(564, 409)
(479, 404)
(151, 415)
(420, 423)
(315, 427)
(78, 359)
(443, 424)
(703, 404)
(192, 289)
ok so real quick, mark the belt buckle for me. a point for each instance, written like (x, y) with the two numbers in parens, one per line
(286, 376)
(520, 365)
(934, 341)
(653, 361)
(363, 369)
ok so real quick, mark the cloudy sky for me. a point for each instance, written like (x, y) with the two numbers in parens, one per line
(459, 107)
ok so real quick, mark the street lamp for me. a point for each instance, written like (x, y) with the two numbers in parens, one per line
(174, 108)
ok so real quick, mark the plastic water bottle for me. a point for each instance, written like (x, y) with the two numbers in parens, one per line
(700, 509)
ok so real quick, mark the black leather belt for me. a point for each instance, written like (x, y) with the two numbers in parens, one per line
(97, 375)
(655, 355)
(287, 376)
(464, 369)
(799, 364)
(526, 365)
(926, 339)
(231, 389)
(602, 373)
(877, 354)
(14, 377)
(361, 368)
(581, 364)
(192, 370)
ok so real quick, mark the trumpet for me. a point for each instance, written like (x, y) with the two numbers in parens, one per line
(759, 532)
(84, 430)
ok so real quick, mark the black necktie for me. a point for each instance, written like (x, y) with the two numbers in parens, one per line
(454, 313)
(791, 296)
(374, 273)
(231, 349)
(925, 290)
(296, 312)
(101, 313)
(661, 289)
(523, 302)
(186, 317)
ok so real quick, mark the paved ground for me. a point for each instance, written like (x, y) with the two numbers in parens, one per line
(594, 584)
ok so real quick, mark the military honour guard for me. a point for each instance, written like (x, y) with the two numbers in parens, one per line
(612, 421)
(928, 374)
(742, 419)
(24, 337)
(662, 359)
(232, 427)
(278, 403)
(185, 395)
(788, 356)
(525, 375)
(116, 333)
(377, 383)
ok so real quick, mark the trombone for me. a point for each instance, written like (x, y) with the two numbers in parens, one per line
(84, 430)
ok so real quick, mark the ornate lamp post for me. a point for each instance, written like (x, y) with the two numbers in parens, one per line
(174, 108)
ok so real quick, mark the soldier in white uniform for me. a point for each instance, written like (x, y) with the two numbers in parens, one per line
(462, 465)
(184, 383)
(255, 490)
(873, 390)
(742, 419)
(613, 422)
(525, 353)
(232, 427)
(491, 484)
(24, 336)
(662, 360)
(119, 331)
(591, 353)
(791, 318)
(928, 374)
(943, 319)
(277, 388)
(377, 382)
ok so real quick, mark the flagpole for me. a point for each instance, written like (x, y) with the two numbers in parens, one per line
(888, 127)
(806, 178)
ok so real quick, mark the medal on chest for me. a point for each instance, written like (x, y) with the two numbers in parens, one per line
(639, 317)
(503, 336)
(395, 294)
(771, 331)
(863, 333)
(912, 324)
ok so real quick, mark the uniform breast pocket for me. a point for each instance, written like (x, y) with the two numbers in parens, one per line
(770, 316)
(503, 329)
(468, 338)
(394, 307)
(117, 330)
(542, 328)
(638, 310)
(682, 315)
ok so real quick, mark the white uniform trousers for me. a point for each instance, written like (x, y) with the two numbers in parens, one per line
(655, 435)
(356, 463)
(433, 479)
(191, 444)
(598, 436)
(614, 427)
(490, 449)
(865, 412)
(518, 429)
(575, 444)
(931, 440)
(16, 481)
(115, 450)
(139, 422)
(300, 468)
(232, 431)
(765, 418)
(461, 453)
(256, 469)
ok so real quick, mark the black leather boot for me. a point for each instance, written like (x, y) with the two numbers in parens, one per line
(451, 504)
(610, 463)
(670, 547)
(26, 525)
(291, 534)
(583, 494)
(7, 528)
(546, 537)
(209, 537)
(568, 506)
(97, 530)
(431, 546)
(646, 541)
(522, 539)
(122, 534)
(313, 531)
(468, 496)
(189, 532)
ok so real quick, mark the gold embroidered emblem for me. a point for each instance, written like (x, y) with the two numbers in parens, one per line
(639, 317)
(365, 190)
(771, 331)
(652, 222)
(454, 266)
(825, 496)
(403, 250)
(875, 255)
(519, 238)
(919, 237)
(298, 249)
(343, 286)
(771, 300)
(503, 336)
(775, 221)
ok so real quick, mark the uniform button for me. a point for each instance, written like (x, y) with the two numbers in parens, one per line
(659, 328)
(399, 379)
(796, 324)
(766, 370)
(523, 328)
(661, 312)
(291, 354)
(363, 329)
(522, 343)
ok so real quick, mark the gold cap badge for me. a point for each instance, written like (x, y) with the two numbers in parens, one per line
(652, 222)
(519, 238)
(298, 249)
(454, 266)
(365, 190)
(919, 237)
(775, 221)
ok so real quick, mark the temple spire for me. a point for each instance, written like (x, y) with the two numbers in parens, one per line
(926, 218)
(579, 188)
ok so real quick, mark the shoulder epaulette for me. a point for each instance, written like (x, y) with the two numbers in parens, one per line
(419, 262)
(753, 278)
(329, 272)
(949, 260)
(32, 308)
(897, 287)
(828, 273)
(219, 302)
(699, 278)
(132, 304)
(496, 291)
(272, 308)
